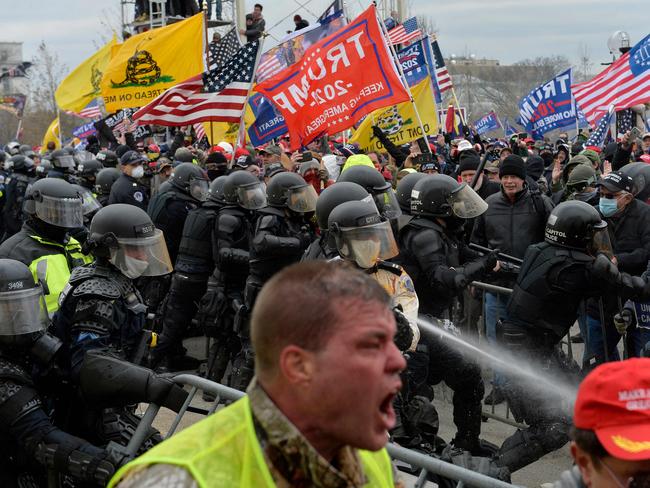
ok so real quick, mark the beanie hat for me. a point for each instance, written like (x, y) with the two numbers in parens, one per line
(468, 163)
(183, 155)
(217, 158)
(592, 156)
(513, 165)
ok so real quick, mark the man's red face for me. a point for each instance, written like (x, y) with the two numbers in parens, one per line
(357, 377)
(467, 176)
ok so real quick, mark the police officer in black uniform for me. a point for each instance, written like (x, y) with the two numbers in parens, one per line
(63, 166)
(573, 263)
(324, 247)
(375, 184)
(32, 445)
(22, 175)
(103, 183)
(223, 301)
(127, 188)
(283, 231)
(441, 265)
(87, 173)
(107, 158)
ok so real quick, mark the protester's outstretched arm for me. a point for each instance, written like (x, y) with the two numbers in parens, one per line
(398, 154)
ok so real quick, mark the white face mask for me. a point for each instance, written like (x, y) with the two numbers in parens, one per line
(137, 172)
(133, 268)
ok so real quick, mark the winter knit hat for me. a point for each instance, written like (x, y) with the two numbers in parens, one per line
(513, 165)
(468, 163)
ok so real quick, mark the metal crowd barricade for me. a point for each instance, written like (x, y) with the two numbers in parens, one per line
(224, 394)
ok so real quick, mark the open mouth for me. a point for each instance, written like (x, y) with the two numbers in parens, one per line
(386, 410)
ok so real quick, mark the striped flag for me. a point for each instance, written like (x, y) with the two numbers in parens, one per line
(406, 32)
(271, 63)
(217, 95)
(597, 137)
(222, 51)
(444, 80)
(199, 130)
(625, 83)
(91, 111)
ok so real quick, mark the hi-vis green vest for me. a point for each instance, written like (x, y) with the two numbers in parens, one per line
(222, 450)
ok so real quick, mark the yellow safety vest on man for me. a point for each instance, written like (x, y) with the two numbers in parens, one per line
(223, 450)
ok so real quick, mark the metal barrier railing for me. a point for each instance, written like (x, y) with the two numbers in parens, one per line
(425, 464)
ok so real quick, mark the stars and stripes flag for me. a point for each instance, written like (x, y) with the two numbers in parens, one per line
(272, 62)
(217, 95)
(444, 80)
(220, 52)
(91, 111)
(199, 130)
(625, 83)
(624, 121)
(597, 137)
(405, 32)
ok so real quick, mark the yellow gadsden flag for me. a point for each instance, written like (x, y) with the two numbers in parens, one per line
(81, 86)
(51, 135)
(149, 63)
(399, 122)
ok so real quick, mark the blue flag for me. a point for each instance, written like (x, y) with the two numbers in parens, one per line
(488, 122)
(84, 130)
(268, 124)
(507, 128)
(597, 137)
(413, 63)
(549, 106)
(431, 66)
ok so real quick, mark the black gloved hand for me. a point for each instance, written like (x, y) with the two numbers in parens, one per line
(404, 335)
(604, 269)
(305, 239)
(624, 320)
(490, 260)
(377, 132)
(460, 281)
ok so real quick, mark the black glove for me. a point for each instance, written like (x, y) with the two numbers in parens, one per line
(460, 281)
(490, 260)
(377, 132)
(305, 239)
(624, 320)
(404, 336)
(604, 269)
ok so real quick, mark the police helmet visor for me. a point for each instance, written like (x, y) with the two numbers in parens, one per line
(199, 189)
(62, 212)
(367, 245)
(142, 256)
(83, 156)
(252, 196)
(466, 203)
(90, 203)
(22, 312)
(302, 199)
(387, 204)
(600, 242)
(66, 161)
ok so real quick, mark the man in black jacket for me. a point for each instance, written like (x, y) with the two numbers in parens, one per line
(514, 220)
(127, 188)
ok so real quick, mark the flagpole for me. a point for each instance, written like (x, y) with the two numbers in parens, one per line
(58, 121)
(248, 95)
(460, 112)
(211, 134)
(20, 126)
(402, 76)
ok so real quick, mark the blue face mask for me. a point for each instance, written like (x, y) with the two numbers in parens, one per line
(608, 206)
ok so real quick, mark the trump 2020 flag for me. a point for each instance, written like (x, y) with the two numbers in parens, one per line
(268, 124)
(413, 63)
(549, 106)
(338, 80)
(488, 122)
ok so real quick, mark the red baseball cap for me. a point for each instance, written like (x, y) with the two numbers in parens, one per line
(614, 401)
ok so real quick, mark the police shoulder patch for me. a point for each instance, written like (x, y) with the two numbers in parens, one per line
(138, 196)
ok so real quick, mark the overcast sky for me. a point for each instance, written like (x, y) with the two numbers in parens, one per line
(507, 30)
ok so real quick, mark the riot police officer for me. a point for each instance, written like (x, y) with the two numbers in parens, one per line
(441, 265)
(572, 263)
(87, 173)
(375, 184)
(324, 246)
(107, 158)
(89, 207)
(283, 231)
(127, 188)
(52, 208)
(63, 166)
(103, 183)
(194, 264)
(21, 176)
(32, 445)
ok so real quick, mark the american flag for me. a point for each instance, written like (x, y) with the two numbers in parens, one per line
(199, 131)
(597, 137)
(271, 63)
(335, 7)
(91, 111)
(625, 83)
(405, 32)
(444, 80)
(222, 51)
(218, 95)
(624, 121)
(17, 71)
(125, 125)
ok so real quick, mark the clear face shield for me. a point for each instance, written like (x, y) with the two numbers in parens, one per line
(600, 242)
(142, 256)
(66, 161)
(466, 203)
(302, 199)
(22, 312)
(367, 245)
(387, 204)
(199, 189)
(90, 204)
(62, 212)
(252, 196)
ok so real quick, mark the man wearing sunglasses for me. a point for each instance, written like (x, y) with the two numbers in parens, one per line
(611, 428)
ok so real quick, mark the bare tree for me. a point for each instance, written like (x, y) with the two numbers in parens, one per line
(46, 74)
(427, 24)
(584, 61)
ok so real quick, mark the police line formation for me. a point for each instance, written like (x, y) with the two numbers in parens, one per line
(112, 256)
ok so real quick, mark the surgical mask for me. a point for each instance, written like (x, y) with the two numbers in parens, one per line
(366, 253)
(608, 206)
(137, 172)
(133, 268)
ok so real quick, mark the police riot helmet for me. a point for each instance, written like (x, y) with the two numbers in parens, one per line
(23, 315)
(404, 189)
(62, 159)
(183, 155)
(360, 233)
(107, 158)
(442, 196)
(216, 190)
(89, 204)
(43, 168)
(640, 174)
(105, 179)
(12, 148)
(126, 236)
(55, 202)
(244, 189)
(191, 180)
(332, 196)
(290, 190)
(26, 150)
(21, 163)
(577, 225)
(3, 156)
(89, 168)
(375, 184)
